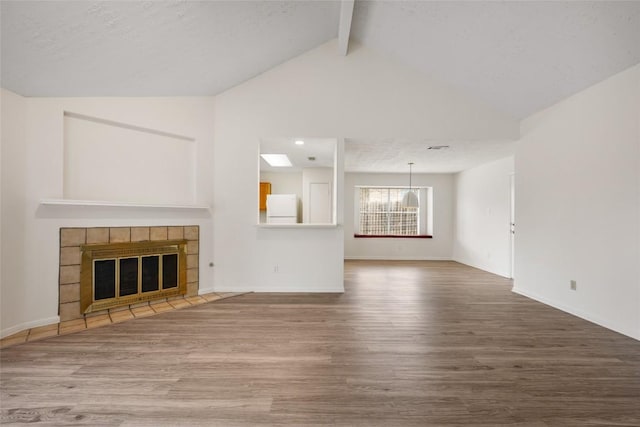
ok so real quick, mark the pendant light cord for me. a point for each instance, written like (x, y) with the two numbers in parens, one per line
(410, 170)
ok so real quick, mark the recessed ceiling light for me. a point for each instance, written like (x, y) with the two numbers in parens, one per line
(437, 147)
(299, 142)
(277, 160)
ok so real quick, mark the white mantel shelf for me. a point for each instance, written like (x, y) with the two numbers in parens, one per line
(97, 203)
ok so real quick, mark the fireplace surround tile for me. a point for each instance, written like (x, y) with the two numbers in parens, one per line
(70, 310)
(69, 274)
(192, 261)
(192, 247)
(175, 233)
(71, 240)
(119, 234)
(191, 232)
(97, 235)
(70, 255)
(192, 275)
(72, 237)
(69, 293)
(192, 288)
(139, 234)
(158, 233)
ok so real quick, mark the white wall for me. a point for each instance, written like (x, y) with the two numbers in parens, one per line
(14, 166)
(482, 216)
(578, 204)
(321, 94)
(34, 156)
(437, 248)
(103, 160)
(283, 183)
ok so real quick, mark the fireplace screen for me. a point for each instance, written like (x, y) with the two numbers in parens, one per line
(126, 273)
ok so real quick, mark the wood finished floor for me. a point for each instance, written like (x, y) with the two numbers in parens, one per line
(408, 343)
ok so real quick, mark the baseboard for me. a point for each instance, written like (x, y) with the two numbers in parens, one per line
(574, 312)
(285, 289)
(482, 267)
(28, 325)
(395, 258)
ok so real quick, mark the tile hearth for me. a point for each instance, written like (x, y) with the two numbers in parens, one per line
(126, 313)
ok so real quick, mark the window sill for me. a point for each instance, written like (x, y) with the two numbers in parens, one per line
(390, 236)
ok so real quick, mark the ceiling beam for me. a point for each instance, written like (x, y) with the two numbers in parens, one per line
(344, 29)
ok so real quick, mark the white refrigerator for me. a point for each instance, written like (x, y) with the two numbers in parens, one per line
(282, 209)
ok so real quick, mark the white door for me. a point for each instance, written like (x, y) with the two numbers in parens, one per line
(319, 203)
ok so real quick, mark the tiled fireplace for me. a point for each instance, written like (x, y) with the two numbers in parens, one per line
(164, 259)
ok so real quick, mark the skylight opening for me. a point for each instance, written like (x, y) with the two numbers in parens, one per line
(277, 160)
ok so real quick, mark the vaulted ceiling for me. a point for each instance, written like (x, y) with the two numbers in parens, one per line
(153, 48)
(516, 56)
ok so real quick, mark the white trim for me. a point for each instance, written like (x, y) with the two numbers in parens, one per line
(344, 27)
(316, 289)
(396, 258)
(100, 203)
(28, 325)
(575, 312)
(128, 126)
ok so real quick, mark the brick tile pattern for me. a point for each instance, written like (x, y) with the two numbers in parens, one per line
(70, 259)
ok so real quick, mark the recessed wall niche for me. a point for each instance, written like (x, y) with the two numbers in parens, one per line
(112, 161)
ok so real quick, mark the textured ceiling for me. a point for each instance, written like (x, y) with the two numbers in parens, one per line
(153, 48)
(393, 155)
(518, 56)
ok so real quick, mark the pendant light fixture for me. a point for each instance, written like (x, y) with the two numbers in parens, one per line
(410, 200)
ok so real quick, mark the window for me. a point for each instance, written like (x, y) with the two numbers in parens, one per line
(381, 213)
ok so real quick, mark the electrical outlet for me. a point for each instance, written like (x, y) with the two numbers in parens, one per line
(573, 285)
(275, 268)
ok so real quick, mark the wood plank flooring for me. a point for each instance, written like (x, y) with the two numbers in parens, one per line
(121, 314)
(407, 344)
